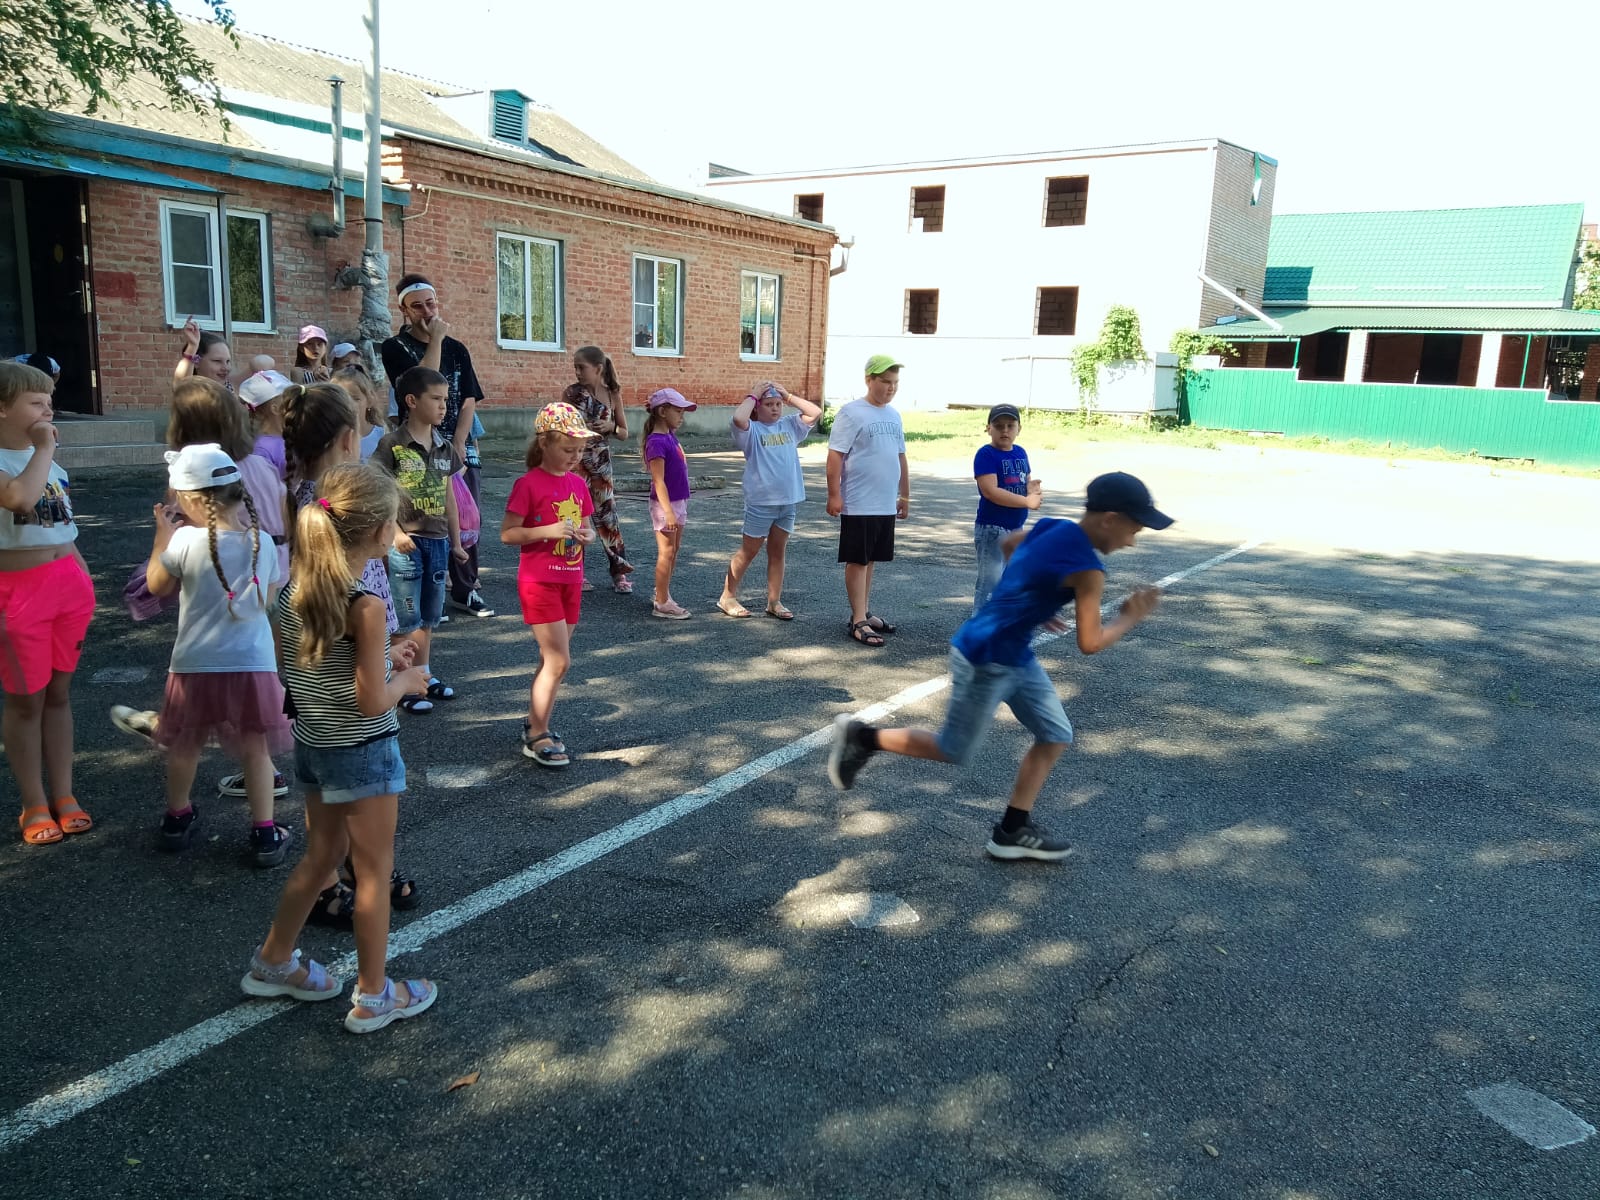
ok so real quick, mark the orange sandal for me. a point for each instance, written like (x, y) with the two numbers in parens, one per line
(38, 827)
(70, 816)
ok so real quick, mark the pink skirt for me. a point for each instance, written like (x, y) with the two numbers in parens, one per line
(225, 707)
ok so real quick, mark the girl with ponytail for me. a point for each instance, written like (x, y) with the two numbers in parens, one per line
(344, 679)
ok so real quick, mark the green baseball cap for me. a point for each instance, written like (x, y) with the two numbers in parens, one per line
(879, 363)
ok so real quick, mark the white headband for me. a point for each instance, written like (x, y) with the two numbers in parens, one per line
(420, 286)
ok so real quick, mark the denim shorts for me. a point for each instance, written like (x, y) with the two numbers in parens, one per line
(346, 773)
(760, 518)
(977, 690)
(417, 582)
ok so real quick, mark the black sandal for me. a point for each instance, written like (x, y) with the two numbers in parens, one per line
(335, 908)
(416, 704)
(402, 891)
(882, 626)
(863, 632)
(439, 690)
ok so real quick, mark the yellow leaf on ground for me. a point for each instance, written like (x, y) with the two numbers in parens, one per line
(464, 1081)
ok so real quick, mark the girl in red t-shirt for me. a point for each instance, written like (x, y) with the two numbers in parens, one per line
(548, 516)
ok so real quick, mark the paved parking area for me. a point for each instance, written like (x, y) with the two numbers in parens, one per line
(1336, 876)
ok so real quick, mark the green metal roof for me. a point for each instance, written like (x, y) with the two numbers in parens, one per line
(1478, 256)
(1303, 322)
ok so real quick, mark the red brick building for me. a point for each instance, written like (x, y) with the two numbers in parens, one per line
(539, 240)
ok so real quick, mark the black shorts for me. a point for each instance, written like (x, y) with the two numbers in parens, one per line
(866, 539)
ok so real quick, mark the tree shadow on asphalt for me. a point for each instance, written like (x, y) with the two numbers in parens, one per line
(1285, 861)
(1311, 796)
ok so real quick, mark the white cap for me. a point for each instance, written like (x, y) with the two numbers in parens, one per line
(200, 466)
(262, 387)
(344, 348)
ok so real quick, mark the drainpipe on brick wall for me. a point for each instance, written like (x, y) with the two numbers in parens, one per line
(374, 262)
(222, 254)
(1237, 299)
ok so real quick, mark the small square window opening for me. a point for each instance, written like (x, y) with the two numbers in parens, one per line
(1066, 201)
(1056, 312)
(927, 209)
(922, 310)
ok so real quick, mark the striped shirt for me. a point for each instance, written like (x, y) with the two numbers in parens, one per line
(324, 697)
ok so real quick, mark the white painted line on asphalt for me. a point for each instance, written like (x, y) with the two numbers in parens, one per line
(120, 675)
(1531, 1116)
(456, 777)
(144, 1065)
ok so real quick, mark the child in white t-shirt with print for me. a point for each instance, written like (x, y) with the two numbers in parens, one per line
(222, 682)
(773, 488)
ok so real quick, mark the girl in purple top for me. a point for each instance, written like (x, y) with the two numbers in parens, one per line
(669, 493)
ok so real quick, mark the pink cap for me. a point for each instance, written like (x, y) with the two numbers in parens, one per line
(670, 396)
(307, 332)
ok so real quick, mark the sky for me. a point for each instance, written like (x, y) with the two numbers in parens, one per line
(1400, 104)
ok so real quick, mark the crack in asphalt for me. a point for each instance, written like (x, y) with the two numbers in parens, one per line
(1097, 992)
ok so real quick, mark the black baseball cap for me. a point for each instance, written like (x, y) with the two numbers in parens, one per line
(1120, 492)
(1000, 411)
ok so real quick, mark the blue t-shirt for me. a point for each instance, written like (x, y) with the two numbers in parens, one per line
(1010, 469)
(1028, 594)
(772, 460)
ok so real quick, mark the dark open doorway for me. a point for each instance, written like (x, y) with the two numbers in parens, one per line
(46, 295)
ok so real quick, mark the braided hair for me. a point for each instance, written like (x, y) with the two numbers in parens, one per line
(218, 500)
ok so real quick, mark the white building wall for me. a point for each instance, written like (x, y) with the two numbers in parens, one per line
(1144, 238)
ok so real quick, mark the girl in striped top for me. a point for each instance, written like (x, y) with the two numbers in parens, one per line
(335, 657)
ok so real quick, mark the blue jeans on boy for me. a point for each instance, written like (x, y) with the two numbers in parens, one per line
(417, 582)
(991, 560)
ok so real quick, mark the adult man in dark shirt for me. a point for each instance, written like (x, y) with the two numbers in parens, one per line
(424, 341)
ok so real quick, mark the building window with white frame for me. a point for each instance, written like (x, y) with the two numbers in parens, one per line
(759, 302)
(191, 255)
(657, 305)
(528, 311)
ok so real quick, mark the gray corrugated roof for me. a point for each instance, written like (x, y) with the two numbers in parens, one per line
(268, 67)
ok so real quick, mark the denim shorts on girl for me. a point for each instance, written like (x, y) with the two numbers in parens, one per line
(760, 518)
(417, 582)
(344, 774)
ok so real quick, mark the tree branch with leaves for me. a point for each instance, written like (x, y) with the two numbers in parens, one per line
(75, 54)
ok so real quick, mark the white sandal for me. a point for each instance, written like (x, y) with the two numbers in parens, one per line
(272, 979)
(384, 1009)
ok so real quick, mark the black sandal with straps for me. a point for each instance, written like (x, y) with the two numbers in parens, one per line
(863, 632)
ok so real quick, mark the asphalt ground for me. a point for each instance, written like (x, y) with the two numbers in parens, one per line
(1336, 826)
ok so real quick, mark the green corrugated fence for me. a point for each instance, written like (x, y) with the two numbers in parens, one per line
(1495, 422)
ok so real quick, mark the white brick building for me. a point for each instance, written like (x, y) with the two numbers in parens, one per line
(968, 269)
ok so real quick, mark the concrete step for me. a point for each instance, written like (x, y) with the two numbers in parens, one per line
(130, 454)
(104, 431)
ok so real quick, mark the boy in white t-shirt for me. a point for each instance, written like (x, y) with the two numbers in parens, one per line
(869, 489)
(773, 488)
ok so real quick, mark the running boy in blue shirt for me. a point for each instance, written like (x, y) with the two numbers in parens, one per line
(992, 662)
(1006, 494)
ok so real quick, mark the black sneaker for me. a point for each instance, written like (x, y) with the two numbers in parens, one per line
(268, 846)
(233, 785)
(1030, 841)
(472, 604)
(849, 753)
(175, 831)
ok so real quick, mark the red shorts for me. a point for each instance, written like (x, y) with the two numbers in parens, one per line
(44, 613)
(546, 601)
